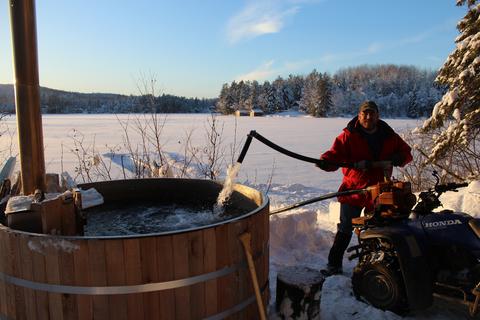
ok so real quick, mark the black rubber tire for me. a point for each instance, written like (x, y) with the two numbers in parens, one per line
(381, 286)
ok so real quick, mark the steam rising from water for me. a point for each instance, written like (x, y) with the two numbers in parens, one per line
(224, 195)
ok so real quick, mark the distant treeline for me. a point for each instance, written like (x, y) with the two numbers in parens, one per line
(57, 101)
(398, 90)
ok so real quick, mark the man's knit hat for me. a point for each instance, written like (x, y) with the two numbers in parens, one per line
(368, 105)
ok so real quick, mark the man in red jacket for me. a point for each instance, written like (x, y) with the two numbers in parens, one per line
(366, 138)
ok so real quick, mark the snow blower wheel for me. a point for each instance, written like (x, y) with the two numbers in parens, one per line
(381, 286)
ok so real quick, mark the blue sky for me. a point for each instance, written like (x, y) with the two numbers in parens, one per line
(192, 47)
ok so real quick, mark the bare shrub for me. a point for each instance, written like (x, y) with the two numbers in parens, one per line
(460, 163)
(211, 157)
(91, 166)
(147, 154)
(143, 146)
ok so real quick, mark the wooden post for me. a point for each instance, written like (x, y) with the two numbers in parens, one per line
(27, 95)
(298, 292)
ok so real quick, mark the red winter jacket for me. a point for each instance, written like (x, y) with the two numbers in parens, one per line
(350, 147)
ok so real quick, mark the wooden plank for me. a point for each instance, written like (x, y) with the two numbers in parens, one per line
(210, 265)
(195, 263)
(257, 230)
(133, 276)
(9, 263)
(224, 294)
(165, 273)
(20, 307)
(116, 277)
(148, 247)
(98, 276)
(39, 275)
(53, 277)
(26, 264)
(68, 218)
(251, 311)
(239, 282)
(82, 278)
(263, 257)
(51, 215)
(242, 284)
(181, 270)
(4, 259)
(266, 258)
(67, 277)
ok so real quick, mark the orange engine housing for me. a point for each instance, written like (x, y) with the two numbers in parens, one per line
(393, 198)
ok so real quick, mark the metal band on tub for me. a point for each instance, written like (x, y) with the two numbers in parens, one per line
(142, 288)
(111, 290)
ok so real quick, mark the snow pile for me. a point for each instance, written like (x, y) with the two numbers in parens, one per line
(465, 200)
(90, 198)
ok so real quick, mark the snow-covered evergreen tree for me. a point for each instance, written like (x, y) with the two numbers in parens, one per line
(252, 100)
(457, 114)
(270, 98)
(279, 102)
(295, 85)
(413, 107)
(225, 100)
(310, 97)
(243, 95)
(325, 92)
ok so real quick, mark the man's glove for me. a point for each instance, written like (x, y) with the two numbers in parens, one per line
(363, 165)
(397, 159)
(325, 165)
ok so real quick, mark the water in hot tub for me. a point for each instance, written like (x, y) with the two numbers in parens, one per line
(145, 218)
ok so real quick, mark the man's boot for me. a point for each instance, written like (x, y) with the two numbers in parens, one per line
(335, 257)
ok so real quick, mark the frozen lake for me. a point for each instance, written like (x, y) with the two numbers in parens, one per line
(301, 134)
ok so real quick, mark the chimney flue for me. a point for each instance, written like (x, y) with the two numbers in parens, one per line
(27, 94)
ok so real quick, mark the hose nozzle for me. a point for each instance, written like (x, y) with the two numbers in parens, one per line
(246, 146)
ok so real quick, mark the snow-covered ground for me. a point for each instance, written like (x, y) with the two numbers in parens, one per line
(300, 237)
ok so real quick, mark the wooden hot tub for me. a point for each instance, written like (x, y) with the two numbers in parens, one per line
(195, 273)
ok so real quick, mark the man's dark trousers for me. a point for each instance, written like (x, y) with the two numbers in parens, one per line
(344, 234)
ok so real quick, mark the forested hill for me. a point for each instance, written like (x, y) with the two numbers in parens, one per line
(400, 91)
(57, 101)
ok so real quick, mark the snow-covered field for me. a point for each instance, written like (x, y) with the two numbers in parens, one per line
(299, 237)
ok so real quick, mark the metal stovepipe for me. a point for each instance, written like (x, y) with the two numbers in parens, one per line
(27, 94)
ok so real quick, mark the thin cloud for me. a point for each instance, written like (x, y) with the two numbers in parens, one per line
(268, 70)
(435, 58)
(416, 38)
(259, 18)
(297, 65)
(374, 47)
(377, 47)
(263, 72)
